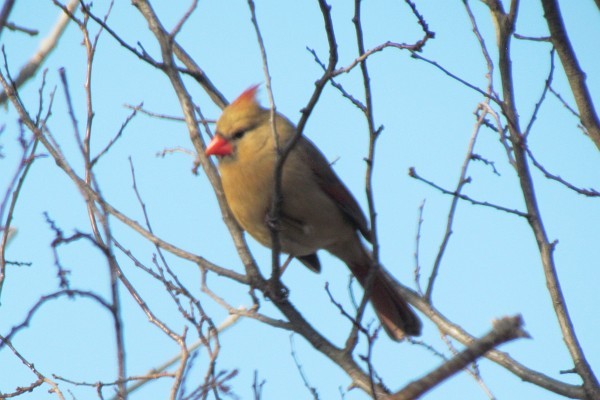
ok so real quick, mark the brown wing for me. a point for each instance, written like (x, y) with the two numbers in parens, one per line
(333, 186)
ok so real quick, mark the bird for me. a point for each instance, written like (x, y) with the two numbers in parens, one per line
(318, 212)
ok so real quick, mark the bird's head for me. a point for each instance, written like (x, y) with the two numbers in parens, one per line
(237, 128)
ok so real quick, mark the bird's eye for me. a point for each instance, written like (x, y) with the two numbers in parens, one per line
(238, 135)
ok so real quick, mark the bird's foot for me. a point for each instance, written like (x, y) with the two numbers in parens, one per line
(275, 290)
(272, 222)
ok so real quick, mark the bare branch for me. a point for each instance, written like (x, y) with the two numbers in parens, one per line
(504, 330)
(484, 49)
(462, 181)
(591, 192)
(417, 269)
(532, 39)
(312, 390)
(152, 375)
(12, 27)
(491, 96)
(413, 174)
(88, 191)
(191, 69)
(46, 46)
(505, 24)
(5, 12)
(41, 378)
(472, 370)
(538, 105)
(189, 113)
(160, 370)
(184, 19)
(454, 330)
(575, 74)
(43, 300)
(139, 108)
(114, 139)
(177, 65)
(14, 189)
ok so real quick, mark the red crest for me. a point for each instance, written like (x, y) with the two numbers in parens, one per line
(247, 97)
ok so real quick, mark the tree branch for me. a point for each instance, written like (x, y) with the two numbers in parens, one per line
(504, 330)
(505, 24)
(455, 331)
(575, 75)
(46, 46)
(5, 12)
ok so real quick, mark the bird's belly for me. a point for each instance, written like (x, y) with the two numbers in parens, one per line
(309, 219)
(298, 237)
(295, 237)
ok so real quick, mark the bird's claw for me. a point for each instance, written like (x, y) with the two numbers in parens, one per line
(272, 222)
(276, 291)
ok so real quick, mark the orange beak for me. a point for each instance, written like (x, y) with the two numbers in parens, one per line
(218, 146)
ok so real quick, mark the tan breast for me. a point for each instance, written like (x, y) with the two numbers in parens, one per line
(248, 188)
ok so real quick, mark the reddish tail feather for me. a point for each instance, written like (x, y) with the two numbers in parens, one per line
(396, 316)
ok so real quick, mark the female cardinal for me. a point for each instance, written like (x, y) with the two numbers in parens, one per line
(318, 211)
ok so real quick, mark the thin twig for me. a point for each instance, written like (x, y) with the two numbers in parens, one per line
(413, 173)
(472, 370)
(14, 190)
(417, 269)
(484, 49)
(312, 390)
(462, 181)
(13, 27)
(184, 19)
(114, 139)
(54, 387)
(491, 96)
(88, 191)
(538, 105)
(591, 192)
(139, 108)
(194, 347)
(532, 38)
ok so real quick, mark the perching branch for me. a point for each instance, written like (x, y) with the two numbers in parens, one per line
(499, 113)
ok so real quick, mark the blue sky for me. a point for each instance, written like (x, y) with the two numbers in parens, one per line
(491, 267)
